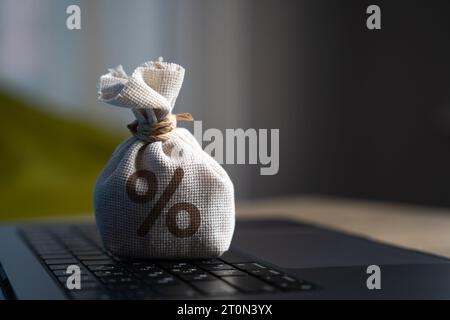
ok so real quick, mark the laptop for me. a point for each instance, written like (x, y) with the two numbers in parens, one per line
(268, 259)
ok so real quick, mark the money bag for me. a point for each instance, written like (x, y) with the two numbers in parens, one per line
(160, 195)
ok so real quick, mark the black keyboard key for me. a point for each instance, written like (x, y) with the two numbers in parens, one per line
(109, 273)
(60, 267)
(284, 282)
(125, 287)
(224, 273)
(77, 245)
(118, 280)
(169, 280)
(215, 267)
(286, 285)
(108, 267)
(98, 262)
(85, 252)
(234, 257)
(249, 266)
(77, 248)
(69, 237)
(181, 267)
(272, 278)
(290, 279)
(56, 256)
(60, 273)
(90, 285)
(47, 251)
(177, 290)
(148, 268)
(133, 263)
(175, 265)
(93, 257)
(43, 241)
(198, 277)
(152, 274)
(290, 283)
(125, 260)
(61, 261)
(191, 270)
(83, 278)
(306, 287)
(249, 284)
(214, 287)
(264, 272)
(49, 247)
(210, 261)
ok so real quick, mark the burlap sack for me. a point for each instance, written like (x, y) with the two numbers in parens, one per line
(160, 195)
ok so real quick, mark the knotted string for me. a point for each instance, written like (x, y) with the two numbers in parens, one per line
(148, 128)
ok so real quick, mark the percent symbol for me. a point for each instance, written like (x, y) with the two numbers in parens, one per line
(161, 203)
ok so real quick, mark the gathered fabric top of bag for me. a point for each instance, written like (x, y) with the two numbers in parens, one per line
(150, 92)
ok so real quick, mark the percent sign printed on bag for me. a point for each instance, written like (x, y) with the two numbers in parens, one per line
(161, 203)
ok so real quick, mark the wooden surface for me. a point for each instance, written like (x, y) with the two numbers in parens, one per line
(422, 228)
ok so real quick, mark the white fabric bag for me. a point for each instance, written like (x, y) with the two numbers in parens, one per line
(160, 195)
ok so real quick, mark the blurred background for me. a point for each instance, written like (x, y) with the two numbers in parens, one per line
(362, 114)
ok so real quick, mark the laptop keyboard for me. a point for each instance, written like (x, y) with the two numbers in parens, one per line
(105, 276)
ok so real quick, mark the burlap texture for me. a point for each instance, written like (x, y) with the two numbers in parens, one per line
(163, 199)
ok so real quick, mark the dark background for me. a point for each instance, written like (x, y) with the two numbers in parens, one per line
(372, 119)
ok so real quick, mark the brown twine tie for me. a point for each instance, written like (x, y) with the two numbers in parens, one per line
(162, 130)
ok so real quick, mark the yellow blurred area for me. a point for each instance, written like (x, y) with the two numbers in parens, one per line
(48, 164)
